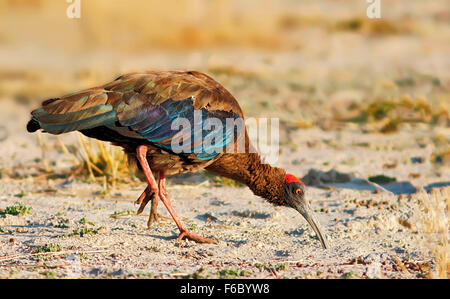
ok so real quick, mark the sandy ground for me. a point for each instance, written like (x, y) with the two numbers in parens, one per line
(74, 230)
(316, 65)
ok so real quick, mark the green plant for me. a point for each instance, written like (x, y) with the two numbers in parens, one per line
(18, 209)
(123, 213)
(48, 247)
(84, 221)
(230, 273)
(349, 275)
(82, 232)
(21, 194)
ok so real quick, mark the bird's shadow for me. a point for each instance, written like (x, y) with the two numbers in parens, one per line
(282, 253)
(296, 232)
(251, 214)
(162, 237)
(429, 187)
(236, 243)
(165, 238)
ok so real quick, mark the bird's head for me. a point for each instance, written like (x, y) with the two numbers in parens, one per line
(294, 197)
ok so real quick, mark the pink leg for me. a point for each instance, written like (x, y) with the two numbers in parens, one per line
(150, 193)
(142, 157)
(164, 196)
(184, 232)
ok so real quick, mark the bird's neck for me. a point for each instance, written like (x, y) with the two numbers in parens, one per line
(263, 179)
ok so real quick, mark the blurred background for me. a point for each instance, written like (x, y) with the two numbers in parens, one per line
(265, 51)
(311, 63)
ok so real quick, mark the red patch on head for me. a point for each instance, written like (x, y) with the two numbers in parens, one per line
(289, 178)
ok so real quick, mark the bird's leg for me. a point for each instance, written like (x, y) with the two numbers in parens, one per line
(143, 196)
(184, 232)
(154, 217)
(150, 193)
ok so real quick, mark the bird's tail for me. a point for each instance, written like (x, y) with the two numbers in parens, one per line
(76, 112)
(33, 125)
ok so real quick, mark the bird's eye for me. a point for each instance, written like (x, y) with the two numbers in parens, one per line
(298, 191)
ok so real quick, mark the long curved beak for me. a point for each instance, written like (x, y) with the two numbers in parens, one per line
(308, 214)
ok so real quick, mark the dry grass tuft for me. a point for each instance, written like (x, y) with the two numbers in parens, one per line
(371, 27)
(389, 113)
(406, 109)
(434, 222)
(94, 160)
(102, 160)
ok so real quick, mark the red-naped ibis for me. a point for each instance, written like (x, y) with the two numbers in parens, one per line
(137, 111)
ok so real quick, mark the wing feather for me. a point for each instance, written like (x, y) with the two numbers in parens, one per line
(143, 106)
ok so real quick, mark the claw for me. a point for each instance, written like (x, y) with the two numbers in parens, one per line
(193, 237)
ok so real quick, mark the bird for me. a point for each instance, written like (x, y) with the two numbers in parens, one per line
(137, 111)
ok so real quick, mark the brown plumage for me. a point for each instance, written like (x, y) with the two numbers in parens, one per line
(264, 180)
(137, 111)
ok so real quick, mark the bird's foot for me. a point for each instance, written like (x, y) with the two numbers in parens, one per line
(154, 216)
(186, 234)
(143, 201)
(144, 197)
